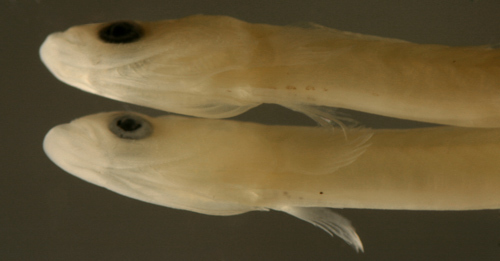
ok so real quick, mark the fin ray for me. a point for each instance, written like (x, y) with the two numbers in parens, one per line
(329, 221)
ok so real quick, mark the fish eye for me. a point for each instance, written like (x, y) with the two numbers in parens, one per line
(132, 127)
(121, 32)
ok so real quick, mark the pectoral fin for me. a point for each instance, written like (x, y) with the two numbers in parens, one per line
(347, 142)
(329, 221)
(324, 116)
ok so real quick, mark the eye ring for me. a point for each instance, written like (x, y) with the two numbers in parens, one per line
(121, 32)
(130, 126)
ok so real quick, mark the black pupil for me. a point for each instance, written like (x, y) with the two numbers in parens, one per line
(121, 32)
(128, 124)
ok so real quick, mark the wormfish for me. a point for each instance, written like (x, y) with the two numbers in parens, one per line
(218, 67)
(223, 167)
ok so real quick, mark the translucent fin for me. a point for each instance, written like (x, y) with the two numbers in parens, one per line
(348, 145)
(329, 221)
(488, 46)
(309, 25)
(218, 109)
(325, 116)
(330, 33)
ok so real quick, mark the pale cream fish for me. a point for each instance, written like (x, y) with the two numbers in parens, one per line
(217, 67)
(222, 167)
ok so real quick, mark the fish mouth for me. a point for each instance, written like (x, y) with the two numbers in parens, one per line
(62, 58)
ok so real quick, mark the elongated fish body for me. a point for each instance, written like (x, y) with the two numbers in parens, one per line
(217, 66)
(221, 167)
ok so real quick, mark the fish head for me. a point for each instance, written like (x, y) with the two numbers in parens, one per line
(168, 65)
(132, 155)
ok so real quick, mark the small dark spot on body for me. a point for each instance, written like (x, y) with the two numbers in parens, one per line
(310, 88)
(228, 90)
(454, 61)
(321, 192)
(289, 87)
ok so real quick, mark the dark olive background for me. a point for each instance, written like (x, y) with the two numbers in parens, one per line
(47, 214)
